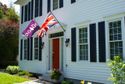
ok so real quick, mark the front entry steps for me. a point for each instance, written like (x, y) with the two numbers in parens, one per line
(47, 78)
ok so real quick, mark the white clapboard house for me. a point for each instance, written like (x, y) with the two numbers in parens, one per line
(94, 33)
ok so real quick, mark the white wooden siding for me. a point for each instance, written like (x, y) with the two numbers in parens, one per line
(91, 11)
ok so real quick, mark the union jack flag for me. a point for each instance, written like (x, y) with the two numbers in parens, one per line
(48, 23)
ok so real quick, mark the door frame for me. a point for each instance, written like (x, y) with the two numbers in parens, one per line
(50, 59)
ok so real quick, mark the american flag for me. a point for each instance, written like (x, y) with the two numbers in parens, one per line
(48, 23)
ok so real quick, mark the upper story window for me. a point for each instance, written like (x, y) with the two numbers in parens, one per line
(83, 43)
(115, 38)
(73, 1)
(57, 4)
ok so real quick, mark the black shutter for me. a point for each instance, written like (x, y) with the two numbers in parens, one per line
(32, 5)
(21, 49)
(25, 12)
(31, 48)
(72, 1)
(93, 42)
(102, 47)
(29, 10)
(36, 7)
(60, 3)
(41, 5)
(73, 44)
(40, 48)
(28, 50)
(48, 5)
(22, 10)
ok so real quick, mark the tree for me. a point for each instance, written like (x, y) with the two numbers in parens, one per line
(1, 13)
(9, 25)
(11, 14)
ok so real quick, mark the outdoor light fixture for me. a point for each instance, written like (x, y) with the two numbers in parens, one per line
(67, 42)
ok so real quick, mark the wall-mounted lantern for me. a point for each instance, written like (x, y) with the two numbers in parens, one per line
(67, 42)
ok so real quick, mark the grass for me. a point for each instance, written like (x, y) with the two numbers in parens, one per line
(10, 79)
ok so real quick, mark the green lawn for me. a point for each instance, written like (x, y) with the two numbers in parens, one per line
(10, 79)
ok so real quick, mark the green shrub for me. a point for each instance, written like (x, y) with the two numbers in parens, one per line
(67, 82)
(22, 72)
(12, 69)
(55, 74)
(117, 67)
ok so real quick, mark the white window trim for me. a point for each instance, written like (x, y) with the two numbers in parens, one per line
(77, 43)
(111, 19)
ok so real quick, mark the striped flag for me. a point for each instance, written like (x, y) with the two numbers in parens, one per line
(48, 23)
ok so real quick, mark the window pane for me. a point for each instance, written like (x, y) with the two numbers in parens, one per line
(55, 4)
(83, 53)
(116, 49)
(115, 30)
(36, 54)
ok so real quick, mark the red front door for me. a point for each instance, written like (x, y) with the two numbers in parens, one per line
(56, 53)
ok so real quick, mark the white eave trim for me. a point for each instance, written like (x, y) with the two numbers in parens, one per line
(22, 2)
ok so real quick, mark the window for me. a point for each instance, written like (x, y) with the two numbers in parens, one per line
(36, 7)
(25, 49)
(57, 4)
(73, 1)
(115, 39)
(36, 48)
(83, 43)
(22, 11)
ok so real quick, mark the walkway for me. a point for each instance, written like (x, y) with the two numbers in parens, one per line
(34, 82)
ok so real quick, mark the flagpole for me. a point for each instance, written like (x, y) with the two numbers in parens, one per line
(58, 21)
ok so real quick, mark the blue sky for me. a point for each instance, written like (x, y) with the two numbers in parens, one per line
(9, 2)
